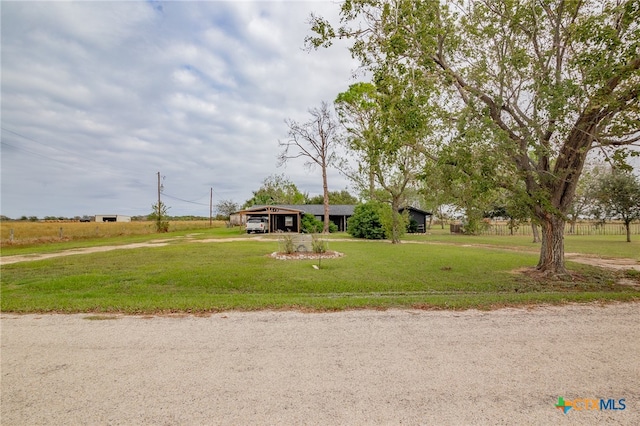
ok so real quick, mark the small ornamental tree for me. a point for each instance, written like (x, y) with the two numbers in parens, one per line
(159, 215)
(367, 222)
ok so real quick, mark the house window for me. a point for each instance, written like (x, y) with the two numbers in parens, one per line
(288, 221)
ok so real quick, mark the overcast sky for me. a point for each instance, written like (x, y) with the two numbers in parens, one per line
(97, 97)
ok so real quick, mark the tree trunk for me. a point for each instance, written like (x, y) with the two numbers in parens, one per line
(395, 220)
(372, 183)
(627, 226)
(552, 250)
(536, 234)
(325, 193)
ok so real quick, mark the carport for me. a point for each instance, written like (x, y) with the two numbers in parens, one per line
(281, 219)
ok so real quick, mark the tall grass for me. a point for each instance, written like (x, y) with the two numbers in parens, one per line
(21, 233)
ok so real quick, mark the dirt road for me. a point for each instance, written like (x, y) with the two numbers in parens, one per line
(359, 367)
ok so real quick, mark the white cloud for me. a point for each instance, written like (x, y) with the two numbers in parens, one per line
(97, 97)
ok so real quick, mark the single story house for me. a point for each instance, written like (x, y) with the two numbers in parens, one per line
(286, 217)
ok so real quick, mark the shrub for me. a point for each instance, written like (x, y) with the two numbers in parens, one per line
(311, 225)
(412, 226)
(318, 245)
(286, 244)
(366, 222)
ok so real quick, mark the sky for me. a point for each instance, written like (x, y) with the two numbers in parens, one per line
(98, 97)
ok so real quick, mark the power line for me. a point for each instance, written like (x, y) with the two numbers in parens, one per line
(106, 167)
(186, 201)
(36, 154)
(49, 146)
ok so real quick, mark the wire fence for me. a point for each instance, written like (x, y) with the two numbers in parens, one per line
(580, 228)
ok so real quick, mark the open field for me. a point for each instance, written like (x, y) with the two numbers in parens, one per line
(210, 271)
(21, 233)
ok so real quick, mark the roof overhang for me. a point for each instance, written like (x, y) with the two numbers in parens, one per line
(269, 210)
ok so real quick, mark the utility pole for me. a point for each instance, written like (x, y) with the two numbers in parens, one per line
(159, 211)
(158, 195)
(211, 208)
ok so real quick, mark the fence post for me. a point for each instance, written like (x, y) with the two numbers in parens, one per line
(11, 234)
(61, 232)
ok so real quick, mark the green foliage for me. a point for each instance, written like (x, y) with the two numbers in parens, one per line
(310, 225)
(618, 196)
(412, 226)
(159, 216)
(226, 208)
(335, 198)
(276, 189)
(318, 245)
(543, 82)
(286, 244)
(367, 221)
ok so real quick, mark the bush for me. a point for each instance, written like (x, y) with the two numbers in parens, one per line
(286, 244)
(318, 245)
(412, 226)
(366, 222)
(310, 225)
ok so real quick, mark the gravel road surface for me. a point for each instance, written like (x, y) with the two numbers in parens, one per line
(507, 366)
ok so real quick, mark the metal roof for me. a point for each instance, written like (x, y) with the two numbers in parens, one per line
(314, 209)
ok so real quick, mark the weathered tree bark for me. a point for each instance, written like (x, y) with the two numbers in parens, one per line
(552, 249)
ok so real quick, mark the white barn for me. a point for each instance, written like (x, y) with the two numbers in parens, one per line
(112, 218)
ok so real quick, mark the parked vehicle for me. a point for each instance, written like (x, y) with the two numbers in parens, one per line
(85, 219)
(257, 224)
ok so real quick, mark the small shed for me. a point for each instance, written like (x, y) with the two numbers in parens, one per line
(420, 216)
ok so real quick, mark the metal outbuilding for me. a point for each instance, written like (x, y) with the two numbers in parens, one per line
(112, 218)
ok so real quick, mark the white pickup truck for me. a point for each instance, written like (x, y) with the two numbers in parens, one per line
(257, 224)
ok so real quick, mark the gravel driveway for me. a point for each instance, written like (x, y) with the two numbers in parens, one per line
(507, 366)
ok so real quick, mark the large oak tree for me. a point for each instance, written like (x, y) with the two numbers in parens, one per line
(553, 79)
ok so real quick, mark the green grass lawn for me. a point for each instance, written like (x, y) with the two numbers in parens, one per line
(599, 245)
(203, 277)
